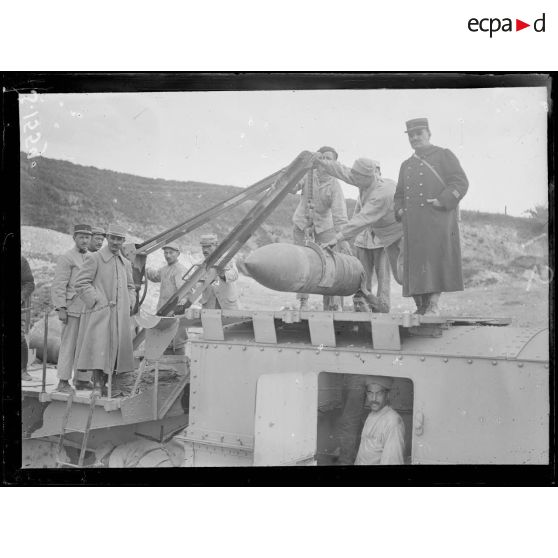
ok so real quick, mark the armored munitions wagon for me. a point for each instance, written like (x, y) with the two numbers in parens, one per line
(268, 388)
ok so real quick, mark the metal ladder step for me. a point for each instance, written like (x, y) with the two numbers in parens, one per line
(64, 430)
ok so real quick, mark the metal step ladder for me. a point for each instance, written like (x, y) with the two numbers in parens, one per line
(64, 430)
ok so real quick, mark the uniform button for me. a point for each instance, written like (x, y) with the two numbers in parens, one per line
(407, 197)
(422, 205)
(409, 168)
(407, 187)
(420, 194)
(420, 184)
(421, 173)
(421, 164)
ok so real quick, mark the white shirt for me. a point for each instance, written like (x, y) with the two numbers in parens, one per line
(382, 440)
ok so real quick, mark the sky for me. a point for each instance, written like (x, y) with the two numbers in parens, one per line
(239, 137)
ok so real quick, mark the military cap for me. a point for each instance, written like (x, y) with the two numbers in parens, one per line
(384, 381)
(85, 229)
(364, 166)
(416, 124)
(208, 239)
(326, 148)
(172, 246)
(97, 230)
(116, 230)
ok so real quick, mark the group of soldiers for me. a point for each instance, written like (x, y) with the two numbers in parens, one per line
(408, 229)
(94, 295)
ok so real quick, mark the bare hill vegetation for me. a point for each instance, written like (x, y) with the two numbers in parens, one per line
(56, 194)
(499, 251)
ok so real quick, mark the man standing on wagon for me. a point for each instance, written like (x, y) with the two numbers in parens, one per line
(431, 184)
(105, 284)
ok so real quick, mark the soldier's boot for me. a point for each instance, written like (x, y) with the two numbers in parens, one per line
(64, 387)
(81, 380)
(382, 305)
(96, 376)
(25, 376)
(83, 384)
(432, 308)
(420, 304)
(104, 378)
(332, 304)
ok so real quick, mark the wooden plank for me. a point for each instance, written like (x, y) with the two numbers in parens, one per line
(322, 331)
(385, 336)
(264, 327)
(212, 325)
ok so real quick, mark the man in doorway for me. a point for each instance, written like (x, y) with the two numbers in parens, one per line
(222, 293)
(382, 441)
(70, 308)
(431, 184)
(171, 278)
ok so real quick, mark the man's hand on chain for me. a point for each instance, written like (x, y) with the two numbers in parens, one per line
(345, 248)
(63, 315)
(330, 244)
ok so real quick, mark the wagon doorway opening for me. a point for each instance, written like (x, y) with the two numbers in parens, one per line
(346, 414)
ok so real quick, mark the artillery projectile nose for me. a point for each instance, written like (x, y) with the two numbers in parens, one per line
(305, 269)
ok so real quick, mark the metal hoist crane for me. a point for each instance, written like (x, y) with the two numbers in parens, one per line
(274, 189)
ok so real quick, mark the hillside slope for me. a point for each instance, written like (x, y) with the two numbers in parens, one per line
(56, 194)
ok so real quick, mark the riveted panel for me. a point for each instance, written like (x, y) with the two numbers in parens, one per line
(286, 418)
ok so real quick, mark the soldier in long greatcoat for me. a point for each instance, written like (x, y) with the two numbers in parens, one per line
(105, 284)
(431, 184)
(70, 307)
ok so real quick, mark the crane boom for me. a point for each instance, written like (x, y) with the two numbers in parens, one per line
(204, 274)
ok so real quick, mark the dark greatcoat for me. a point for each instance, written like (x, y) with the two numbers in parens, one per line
(432, 250)
(105, 337)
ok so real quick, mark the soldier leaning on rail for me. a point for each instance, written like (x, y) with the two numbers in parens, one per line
(222, 293)
(374, 212)
(27, 288)
(431, 184)
(70, 307)
(322, 212)
(171, 278)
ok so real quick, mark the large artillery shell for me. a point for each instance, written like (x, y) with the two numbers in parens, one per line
(305, 269)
